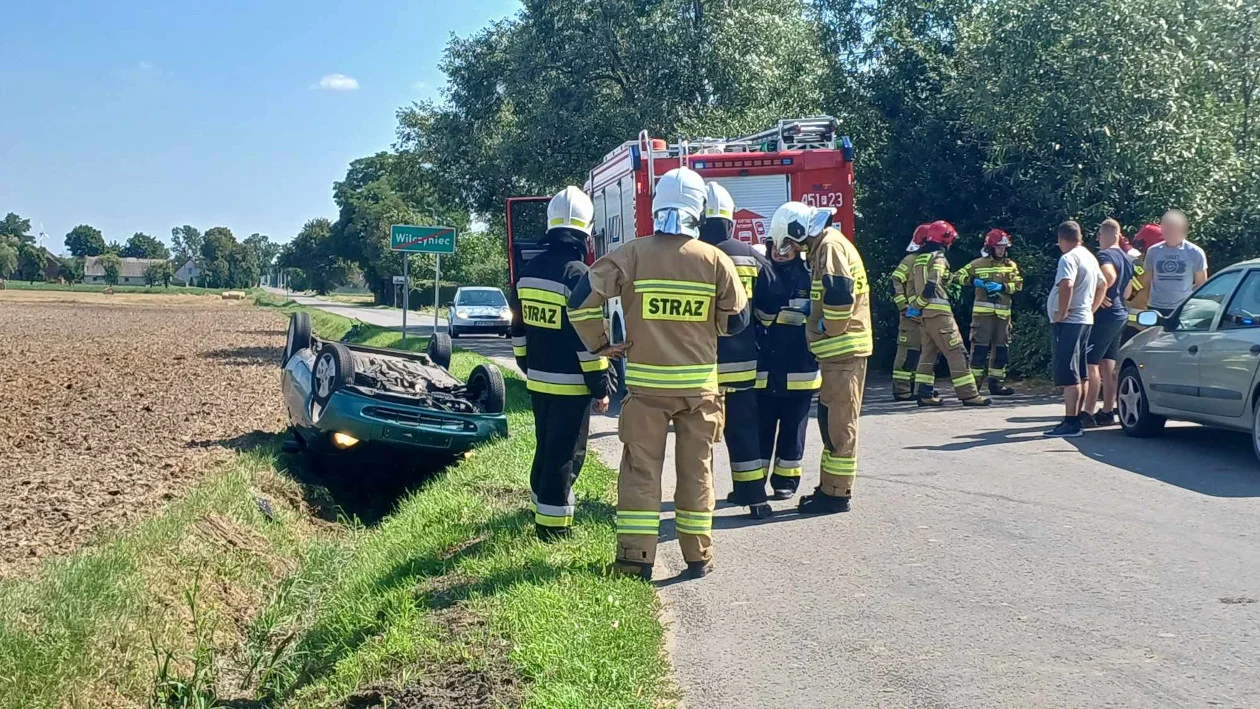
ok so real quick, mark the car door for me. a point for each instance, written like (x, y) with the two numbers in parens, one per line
(1228, 360)
(1173, 356)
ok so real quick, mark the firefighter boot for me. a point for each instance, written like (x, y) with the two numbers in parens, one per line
(756, 510)
(929, 397)
(997, 388)
(820, 503)
(699, 569)
(552, 534)
(977, 400)
(643, 572)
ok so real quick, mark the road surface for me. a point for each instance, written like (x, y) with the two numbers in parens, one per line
(983, 566)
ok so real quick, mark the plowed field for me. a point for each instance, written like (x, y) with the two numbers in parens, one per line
(111, 406)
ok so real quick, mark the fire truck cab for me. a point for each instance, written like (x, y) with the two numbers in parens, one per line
(799, 159)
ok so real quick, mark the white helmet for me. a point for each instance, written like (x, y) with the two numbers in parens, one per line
(796, 222)
(678, 205)
(571, 209)
(719, 204)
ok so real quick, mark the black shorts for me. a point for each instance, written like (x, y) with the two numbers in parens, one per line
(1104, 340)
(1071, 343)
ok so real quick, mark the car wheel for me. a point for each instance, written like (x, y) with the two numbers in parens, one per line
(333, 370)
(1135, 414)
(1255, 428)
(439, 349)
(298, 337)
(486, 384)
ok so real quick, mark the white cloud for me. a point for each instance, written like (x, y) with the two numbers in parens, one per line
(338, 82)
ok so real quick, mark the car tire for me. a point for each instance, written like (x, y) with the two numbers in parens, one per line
(1255, 428)
(439, 349)
(486, 384)
(333, 370)
(298, 337)
(453, 331)
(1134, 408)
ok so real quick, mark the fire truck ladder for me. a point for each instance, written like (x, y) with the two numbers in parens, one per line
(818, 133)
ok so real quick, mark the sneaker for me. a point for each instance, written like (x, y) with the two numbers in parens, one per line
(1087, 420)
(1105, 418)
(977, 400)
(699, 569)
(997, 388)
(933, 400)
(1067, 429)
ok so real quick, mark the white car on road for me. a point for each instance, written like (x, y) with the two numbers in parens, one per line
(1200, 363)
(479, 309)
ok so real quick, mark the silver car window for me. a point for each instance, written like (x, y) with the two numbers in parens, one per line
(1200, 311)
(1244, 307)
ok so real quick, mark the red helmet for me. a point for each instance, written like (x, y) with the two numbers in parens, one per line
(916, 241)
(1148, 236)
(997, 237)
(941, 232)
(1125, 244)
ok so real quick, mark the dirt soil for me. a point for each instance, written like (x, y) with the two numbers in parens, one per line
(112, 406)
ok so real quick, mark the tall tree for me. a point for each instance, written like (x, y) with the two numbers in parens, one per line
(217, 257)
(112, 265)
(311, 253)
(16, 228)
(141, 245)
(8, 260)
(85, 240)
(263, 249)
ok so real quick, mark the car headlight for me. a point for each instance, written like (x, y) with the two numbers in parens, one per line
(461, 314)
(505, 314)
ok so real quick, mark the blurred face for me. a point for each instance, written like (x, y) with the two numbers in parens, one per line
(999, 251)
(792, 251)
(1066, 245)
(1175, 228)
(1107, 239)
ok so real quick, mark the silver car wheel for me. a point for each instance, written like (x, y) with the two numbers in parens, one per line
(325, 370)
(1130, 400)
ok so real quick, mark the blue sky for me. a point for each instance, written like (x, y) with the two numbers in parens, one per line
(142, 115)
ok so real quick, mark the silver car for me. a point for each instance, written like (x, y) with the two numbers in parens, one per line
(479, 309)
(1199, 364)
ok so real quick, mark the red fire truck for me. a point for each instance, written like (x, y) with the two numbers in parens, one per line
(800, 159)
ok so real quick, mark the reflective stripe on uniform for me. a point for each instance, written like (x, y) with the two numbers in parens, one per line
(747, 470)
(804, 381)
(763, 380)
(997, 373)
(584, 314)
(830, 313)
(543, 284)
(552, 515)
(731, 372)
(542, 296)
(977, 374)
(638, 522)
(590, 362)
(852, 343)
(790, 317)
(519, 346)
(519, 351)
(662, 285)
(555, 382)
(672, 376)
(788, 468)
(902, 375)
(688, 522)
(964, 380)
(839, 466)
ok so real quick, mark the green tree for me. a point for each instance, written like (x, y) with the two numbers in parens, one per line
(71, 269)
(264, 251)
(311, 256)
(216, 250)
(16, 229)
(112, 265)
(141, 245)
(8, 260)
(186, 244)
(84, 240)
(159, 272)
(31, 261)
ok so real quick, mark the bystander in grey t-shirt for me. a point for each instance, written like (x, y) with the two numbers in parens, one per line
(1172, 271)
(1081, 268)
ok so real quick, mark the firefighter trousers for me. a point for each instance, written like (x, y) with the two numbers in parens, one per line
(784, 419)
(748, 470)
(941, 335)
(839, 405)
(644, 424)
(561, 424)
(909, 345)
(990, 347)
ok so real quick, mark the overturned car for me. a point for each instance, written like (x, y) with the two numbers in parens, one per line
(340, 395)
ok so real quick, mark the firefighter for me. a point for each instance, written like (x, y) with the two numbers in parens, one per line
(838, 329)
(929, 299)
(996, 278)
(787, 373)
(909, 329)
(737, 360)
(678, 295)
(564, 379)
(1146, 237)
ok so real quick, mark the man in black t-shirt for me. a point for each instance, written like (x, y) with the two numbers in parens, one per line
(1109, 322)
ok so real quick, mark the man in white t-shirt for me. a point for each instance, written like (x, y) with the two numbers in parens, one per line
(1079, 288)
(1175, 267)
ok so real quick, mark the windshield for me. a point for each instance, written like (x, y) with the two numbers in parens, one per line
(488, 298)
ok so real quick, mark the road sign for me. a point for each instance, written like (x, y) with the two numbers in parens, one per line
(400, 280)
(422, 239)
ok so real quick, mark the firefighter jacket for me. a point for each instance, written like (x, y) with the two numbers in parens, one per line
(546, 346)
(737, 354)
(781, 305)
(901, 282)
(996, 270)
(929, 280)
(839, 322)
(678, 296)
(1141, 294)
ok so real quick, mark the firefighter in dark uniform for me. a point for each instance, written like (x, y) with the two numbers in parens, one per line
(787, 372)
(737, 359)
(565, 381)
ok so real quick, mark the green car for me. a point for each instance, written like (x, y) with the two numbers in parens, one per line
(341, 396)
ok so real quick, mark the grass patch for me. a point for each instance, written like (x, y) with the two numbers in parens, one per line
(449, 599)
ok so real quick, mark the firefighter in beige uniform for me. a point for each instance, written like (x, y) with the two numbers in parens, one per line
(940, 330)
(679, 295)
(909, 330)
(839, 332)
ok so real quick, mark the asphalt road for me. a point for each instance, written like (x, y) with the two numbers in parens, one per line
(983, 565)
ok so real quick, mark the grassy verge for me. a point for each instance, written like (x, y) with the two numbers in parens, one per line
(239, 593)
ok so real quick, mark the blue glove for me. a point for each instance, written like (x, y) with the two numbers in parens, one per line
(978, 282)
(822, 327)
(913, 312)
(992, 287)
